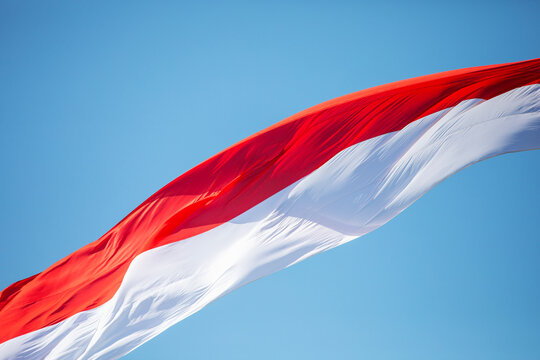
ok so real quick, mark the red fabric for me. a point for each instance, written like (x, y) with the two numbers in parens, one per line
(237, 179)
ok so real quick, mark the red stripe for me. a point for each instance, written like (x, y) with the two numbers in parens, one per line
(237, 179)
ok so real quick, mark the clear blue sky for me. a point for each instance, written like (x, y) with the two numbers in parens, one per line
(104, 102)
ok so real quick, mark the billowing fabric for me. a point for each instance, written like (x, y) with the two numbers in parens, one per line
(309, 183)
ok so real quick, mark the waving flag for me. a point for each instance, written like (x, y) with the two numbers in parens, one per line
(309, 183)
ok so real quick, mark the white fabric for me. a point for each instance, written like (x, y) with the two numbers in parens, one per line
(355, 192)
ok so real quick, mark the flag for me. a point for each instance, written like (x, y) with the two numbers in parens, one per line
(311, 182)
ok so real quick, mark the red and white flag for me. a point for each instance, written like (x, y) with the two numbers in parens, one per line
(309, 183)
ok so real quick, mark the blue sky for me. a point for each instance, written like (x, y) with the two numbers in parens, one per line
(102, 103)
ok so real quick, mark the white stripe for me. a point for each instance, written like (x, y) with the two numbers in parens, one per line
(355, 192)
